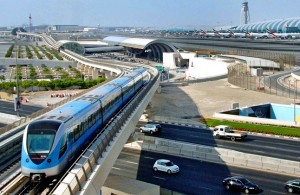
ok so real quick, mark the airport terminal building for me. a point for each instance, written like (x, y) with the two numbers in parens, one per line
(289, 25)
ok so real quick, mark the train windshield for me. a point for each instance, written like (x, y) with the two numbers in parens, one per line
(40, 143)
(41, 135)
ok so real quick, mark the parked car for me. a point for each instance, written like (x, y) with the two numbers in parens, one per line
(165, 166)
(151, 128)
(292, 185)
(240, 183)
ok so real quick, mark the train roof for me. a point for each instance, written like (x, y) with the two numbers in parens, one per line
(121, 81)
(68, 110)
(100, 91)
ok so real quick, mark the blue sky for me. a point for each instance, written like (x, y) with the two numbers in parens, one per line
(143, 13)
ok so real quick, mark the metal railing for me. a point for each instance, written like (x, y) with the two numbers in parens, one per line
(280, 85)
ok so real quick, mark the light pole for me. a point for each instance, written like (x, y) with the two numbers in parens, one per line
(16, 99)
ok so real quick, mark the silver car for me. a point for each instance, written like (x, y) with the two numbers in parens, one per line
(165, 166)
(151, 128)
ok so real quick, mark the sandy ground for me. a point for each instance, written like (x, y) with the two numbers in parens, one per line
(204, 99)
(43, 98)
(186, 102)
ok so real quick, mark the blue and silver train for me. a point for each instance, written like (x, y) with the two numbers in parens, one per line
(53, 140)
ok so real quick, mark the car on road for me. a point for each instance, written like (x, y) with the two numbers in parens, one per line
(165, 166)
(151, 128)
(225, 131)
(240, 183)
(292, 185)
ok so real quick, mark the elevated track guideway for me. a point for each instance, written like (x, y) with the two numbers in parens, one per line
(89, 172)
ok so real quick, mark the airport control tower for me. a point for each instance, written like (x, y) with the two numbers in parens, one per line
(30, 24)
(245, 14)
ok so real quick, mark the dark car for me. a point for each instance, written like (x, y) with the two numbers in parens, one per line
(292, 185)
(240, 183)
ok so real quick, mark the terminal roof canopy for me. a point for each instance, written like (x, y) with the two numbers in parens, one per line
(138, 43)
(70, 45)
(141, 47)
(288, 25)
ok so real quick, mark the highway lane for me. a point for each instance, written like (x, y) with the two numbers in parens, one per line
(195, 177)
(260, 145)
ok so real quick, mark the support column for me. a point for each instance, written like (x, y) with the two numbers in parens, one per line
(95, 74)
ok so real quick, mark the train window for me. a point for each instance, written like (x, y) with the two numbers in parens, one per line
(90, 121)
(94, 117)
(104, 109)
(86, 126)
(76, 131)
(82, 128)
(98, 114)
(63, 146)
(71, 137)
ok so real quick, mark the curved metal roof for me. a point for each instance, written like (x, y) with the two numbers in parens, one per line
(274, 25)
(138, 43)
(67, 43)
(114, 40)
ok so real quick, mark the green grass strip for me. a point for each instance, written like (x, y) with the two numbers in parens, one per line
(258, 128)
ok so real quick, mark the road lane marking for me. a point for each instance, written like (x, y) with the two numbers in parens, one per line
(159, 178)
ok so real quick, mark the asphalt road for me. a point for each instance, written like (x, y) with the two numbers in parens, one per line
(260, 145)
(25, 110)
(195, 177)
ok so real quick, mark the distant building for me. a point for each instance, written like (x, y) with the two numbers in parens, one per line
(289, 25)
(65, 28)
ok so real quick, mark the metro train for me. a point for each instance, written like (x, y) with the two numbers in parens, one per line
(56, 138)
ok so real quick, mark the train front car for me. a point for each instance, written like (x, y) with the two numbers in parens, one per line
(38, 154)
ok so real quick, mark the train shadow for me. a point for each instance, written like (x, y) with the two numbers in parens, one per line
(181, 141)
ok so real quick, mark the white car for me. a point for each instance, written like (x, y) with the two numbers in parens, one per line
(166, 166)
(151, 128)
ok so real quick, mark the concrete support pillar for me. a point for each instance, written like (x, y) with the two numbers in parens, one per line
(107, 74)
(89, 72)
(85, 69)
(95, 73)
